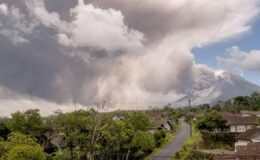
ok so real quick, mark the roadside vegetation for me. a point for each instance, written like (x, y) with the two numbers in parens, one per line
(190, 148)
(165, 141)
(81, 135)
(209, 126)
(120, 135)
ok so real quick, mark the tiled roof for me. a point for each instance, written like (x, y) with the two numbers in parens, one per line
(233, 119)
(249, 150)
(224, 157)
(247, 135)
(155, 116)
(235, 157)
(157, 119)
(228, 114)
(250, 112)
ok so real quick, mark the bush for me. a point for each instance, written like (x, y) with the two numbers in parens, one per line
(144, 143)
(22, 147)
(196, 155)
(218, 140)
(158, 137)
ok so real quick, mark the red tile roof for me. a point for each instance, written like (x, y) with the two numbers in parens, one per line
(155, 116)
(248, 135)
(249, 150)
(224, 157)
(157, 119)
(234, 119)
(250, 112)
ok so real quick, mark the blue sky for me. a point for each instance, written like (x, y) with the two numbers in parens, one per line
(246, 42)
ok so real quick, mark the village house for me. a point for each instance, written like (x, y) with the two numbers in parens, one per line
(250, 113)
(238, 124)
(118, 117)
(160, 121)
(248, 137)
(247, 147)
(249, 152)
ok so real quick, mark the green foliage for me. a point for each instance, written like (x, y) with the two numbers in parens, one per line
(87, 134)
(196, 155)
(210, 121)
(144, 140)
(115, 134)
(4, 130)
(176, 115)
(28, 122)
(144, 143)
(20, 147)
(159, 137)
(235, 105)
(25, 152)
(77, 128)
(218, 140)
(139, 121)
(188, 150)
(62, 155)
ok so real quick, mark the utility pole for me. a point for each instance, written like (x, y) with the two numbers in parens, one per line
(190, 118)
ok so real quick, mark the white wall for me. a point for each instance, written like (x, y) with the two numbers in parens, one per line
(233, 129)
(167, 127)
(239, 128)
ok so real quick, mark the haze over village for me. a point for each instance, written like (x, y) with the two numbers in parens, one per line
(129, 79)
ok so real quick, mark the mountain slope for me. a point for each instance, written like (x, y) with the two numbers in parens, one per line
(223, 87)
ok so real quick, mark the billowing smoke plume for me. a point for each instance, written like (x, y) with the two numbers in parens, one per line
(127, 53)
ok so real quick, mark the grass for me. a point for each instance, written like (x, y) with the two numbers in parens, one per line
(195, 139)
(190, 144)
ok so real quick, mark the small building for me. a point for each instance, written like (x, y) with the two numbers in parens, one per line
(248, 152)
(118, 118)
(250, 113)
(248, 137)
(247, 147)
(238, 124)
(160, 121)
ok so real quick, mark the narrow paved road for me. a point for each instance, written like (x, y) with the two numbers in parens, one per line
(175, 145)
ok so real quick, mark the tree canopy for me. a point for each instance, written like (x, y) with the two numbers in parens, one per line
(210, 121)
(21, 147)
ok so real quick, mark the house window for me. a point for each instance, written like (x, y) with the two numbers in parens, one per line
(241, 128)
(232, 128)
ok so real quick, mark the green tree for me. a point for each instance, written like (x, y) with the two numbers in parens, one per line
(255, 101)
(21, 147)
(144, 143)
(115, 139)
(158, 137)
(62, 155)
(210, 121)
(82, 129)
(4, 130)
(28, 122)
(139, 121)
(241, 102)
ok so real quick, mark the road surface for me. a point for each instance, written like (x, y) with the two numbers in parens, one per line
(175, 145)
